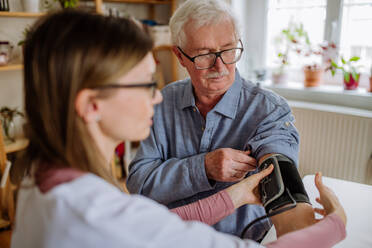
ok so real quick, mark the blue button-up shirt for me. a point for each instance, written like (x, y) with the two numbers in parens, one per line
(169, 165)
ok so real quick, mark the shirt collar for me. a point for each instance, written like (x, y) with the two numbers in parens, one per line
(188, 99)
(226, 106)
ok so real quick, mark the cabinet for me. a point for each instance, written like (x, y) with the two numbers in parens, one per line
(151, 15)
(99, 9)
(16, 66)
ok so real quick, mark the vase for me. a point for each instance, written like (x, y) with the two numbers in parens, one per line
(31, 6)
(8, 129)
(352, 84)
(312, 77)
(279, 78)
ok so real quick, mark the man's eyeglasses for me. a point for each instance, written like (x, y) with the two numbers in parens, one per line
(206, 61)
(152, 86)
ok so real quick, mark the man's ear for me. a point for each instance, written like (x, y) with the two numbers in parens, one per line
(86, 105)
(178, 55)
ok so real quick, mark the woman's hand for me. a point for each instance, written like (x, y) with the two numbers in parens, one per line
(328, 200)
(246, 191)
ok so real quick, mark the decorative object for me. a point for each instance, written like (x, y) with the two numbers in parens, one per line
(7, 116)
(4, 5)
(5, 52)
(31, 6)
(349, 70)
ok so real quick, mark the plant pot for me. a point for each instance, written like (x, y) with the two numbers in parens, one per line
(31, 6)
(312, 77)
(279, 78)
(370, 84)
(352, 84)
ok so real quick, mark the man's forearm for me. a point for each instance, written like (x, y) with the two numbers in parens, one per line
(294, 219)
(297, 218)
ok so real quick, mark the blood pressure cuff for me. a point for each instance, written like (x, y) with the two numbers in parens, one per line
(283, 186)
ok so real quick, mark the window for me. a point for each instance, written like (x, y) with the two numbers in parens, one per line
(312, 14)
(345, 22)
(356, 32)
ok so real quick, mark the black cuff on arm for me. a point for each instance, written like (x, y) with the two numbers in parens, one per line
(283, 186)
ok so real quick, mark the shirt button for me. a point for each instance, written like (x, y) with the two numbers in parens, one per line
(203, 128)
(287, 123)
(194, 109)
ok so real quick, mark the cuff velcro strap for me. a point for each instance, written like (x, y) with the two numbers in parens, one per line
(283, 185)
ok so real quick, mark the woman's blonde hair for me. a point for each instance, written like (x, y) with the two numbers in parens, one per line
(64, 53)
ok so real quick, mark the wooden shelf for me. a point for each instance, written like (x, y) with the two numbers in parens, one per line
(16, 146)
(20, 14)
(140, 1)
(11, 67)
(4, 223)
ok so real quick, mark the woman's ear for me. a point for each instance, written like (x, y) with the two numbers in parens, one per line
(178, 55)
(86, 106)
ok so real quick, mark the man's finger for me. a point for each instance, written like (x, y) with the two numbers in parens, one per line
(243, 167)
(244, 158)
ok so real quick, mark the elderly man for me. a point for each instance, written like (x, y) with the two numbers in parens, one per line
(212, 128)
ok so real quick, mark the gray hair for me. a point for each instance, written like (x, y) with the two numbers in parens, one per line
(201, 12)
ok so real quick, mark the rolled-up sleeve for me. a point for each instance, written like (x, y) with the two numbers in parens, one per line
(276, 133)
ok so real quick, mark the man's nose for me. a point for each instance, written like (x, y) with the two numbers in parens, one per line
(219, 65)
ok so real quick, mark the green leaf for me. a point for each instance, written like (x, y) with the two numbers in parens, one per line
(333, 72)
(343, 60)
(347, 77)
(354, 75)
(334, 64)
(355, 58)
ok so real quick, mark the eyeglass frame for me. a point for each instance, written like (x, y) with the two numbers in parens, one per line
(217, 55)
(153, 86)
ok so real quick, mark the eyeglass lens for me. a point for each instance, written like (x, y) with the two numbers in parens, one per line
(208, 60)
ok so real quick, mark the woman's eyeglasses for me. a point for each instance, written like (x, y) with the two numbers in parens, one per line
(152, 86)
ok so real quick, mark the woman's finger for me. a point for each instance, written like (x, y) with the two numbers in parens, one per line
(265, 172)
(318, 181)
(320, 211)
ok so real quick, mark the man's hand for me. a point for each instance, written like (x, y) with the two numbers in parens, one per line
(228, 165)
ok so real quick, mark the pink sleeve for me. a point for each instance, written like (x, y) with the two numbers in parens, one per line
(209, 210)
(326, 233)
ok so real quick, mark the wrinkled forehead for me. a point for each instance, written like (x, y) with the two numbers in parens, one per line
(210, 35)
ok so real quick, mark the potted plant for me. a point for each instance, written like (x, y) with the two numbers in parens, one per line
(349, 70)
(282, 45)
(370, 81)
(301, 44)
(63, 3)
(279, 75)
(7, 116)
(296, 40)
